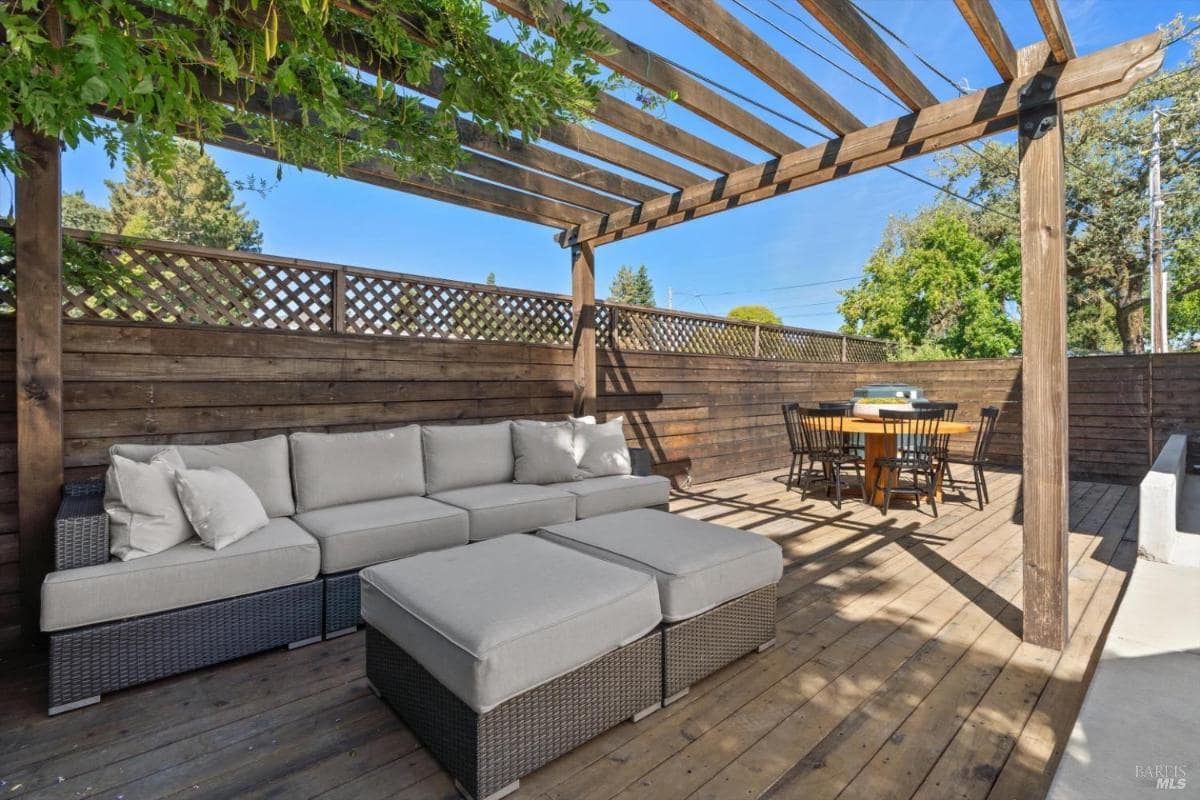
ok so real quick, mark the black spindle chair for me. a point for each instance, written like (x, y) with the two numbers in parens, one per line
(828, 455)
(980, 455)
(854, 441)
(918, 457)
(949, 410)
(795, 433)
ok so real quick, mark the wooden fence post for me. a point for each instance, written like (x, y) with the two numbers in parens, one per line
(583, 334)
(844, 349)
(37, 236)
(614, 339)
(339, 300)
(1044, 347)
(758, 341)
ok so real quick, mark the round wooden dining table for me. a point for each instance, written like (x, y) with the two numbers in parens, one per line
(883, 445)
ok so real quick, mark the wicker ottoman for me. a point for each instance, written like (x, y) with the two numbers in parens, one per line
(504, 654)
(716, 584)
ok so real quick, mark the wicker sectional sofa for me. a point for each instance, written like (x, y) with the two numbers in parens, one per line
(337, 503)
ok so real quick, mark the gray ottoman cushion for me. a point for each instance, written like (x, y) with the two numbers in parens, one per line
(358, 534)
(503, 508)
(613, 493)
(698, 565)
(496, 619)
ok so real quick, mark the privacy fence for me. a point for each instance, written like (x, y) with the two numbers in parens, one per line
(117, 279)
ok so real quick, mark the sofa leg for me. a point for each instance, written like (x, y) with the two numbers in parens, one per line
(341, 632)
(677, 696)
(496, 795)
(65, 707)
(645, 712)
(374, 690)
(767, 645)
(305, 642)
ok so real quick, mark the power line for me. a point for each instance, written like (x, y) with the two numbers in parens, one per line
(908, 47)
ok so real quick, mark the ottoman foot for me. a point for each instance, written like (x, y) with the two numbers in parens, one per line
(645, 712)
(677, 696)
(496, 795)
(767, 645)
(374, 690)
(342, 632)
(65, 707)
(304, 642)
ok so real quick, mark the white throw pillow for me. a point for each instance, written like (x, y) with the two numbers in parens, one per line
(544, 452)
(601, 450)
(221, 506)
(143, 511)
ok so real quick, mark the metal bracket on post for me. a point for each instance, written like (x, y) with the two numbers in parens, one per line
(1038, 105)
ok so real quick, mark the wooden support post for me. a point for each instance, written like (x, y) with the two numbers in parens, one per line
(1044, 347)
(614, 333)
(845, 349)
(583, 335)
(38, 249)
(758, 341)
(339, 301)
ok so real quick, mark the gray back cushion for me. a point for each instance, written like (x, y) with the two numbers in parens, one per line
(332, 469)
(261, 463)
(457, 456)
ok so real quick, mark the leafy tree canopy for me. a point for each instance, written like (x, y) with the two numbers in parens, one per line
(938, 288)
(151, 60)
(633, 287)
(1107, 151)
(196, 206)
(755, 313)
(77, 212)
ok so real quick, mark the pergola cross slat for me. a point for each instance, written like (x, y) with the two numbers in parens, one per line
(593, 204)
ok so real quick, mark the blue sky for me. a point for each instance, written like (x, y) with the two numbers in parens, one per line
(819, 234)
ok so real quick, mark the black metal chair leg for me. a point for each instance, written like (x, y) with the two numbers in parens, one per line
(947, 476)
(978, 488)
(931, 487)
(837, 486)
(887, 490)
(983, 483)
(807, 478)
(791, 473)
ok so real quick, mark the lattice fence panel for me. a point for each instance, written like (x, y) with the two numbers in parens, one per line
(868, 351)
(407, 307)
(8, 300)
(795, 345)
(186, 287)
(672, 333)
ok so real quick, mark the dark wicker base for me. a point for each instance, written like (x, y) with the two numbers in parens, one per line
(488, 752)
(698, 647)
(90, 661)
(342, 603)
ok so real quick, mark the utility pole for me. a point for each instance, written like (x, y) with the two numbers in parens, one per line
(1158, 278)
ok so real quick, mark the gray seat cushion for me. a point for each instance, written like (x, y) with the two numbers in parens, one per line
(496, 619)
(261, 463)
(503, 508)
(613, 493)
(358, 534)
(466, 455)
(698, 565)
(281, 554)
(333, 469)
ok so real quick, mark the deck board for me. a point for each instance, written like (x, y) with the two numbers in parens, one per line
(899, 672)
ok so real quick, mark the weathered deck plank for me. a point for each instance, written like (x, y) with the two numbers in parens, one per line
(899, 673)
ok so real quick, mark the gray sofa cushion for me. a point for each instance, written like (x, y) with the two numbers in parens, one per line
(359, 534)
(544, 452)
(281, 554)
(503, 508)
(332, 469)
(698, 565)
(498, 618)
(144, 514)
(466, 455)
(262, 463)
(613, 493)
(600, 448)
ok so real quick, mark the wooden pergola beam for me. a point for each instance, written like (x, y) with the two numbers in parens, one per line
(722, 30)
(848, 26)
(649, 128)
(652, 70)
(1080, 82)
(1044, 412)
(1055, 27)
(982, 20)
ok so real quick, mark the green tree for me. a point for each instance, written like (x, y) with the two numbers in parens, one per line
(1107, 150)
(194, 206)
(755, 313)
(77, 212)
(144, 59)
(632, 287)
(938, 288)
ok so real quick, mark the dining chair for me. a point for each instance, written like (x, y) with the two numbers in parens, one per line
(918, 458)
(855, 442)
(795, 434)
(828, 455)
(980, 455)
(949, 411)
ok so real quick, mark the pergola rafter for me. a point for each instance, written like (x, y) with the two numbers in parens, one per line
(592, 204)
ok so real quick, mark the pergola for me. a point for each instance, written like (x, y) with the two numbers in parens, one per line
(591, 206)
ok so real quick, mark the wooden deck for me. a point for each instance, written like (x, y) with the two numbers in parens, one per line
(899, 673)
